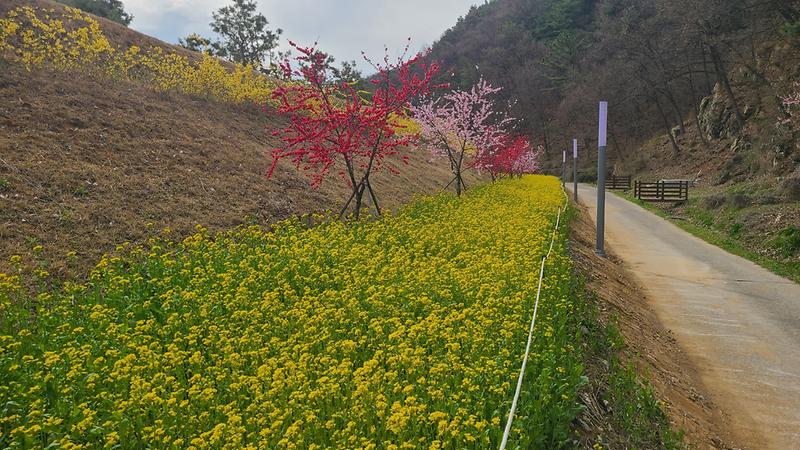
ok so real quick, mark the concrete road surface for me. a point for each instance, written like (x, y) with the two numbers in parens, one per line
(738, 323)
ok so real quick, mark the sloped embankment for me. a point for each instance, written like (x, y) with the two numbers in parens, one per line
(87, 163)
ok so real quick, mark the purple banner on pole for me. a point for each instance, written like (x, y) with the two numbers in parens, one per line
(603, 124)
(575, 148)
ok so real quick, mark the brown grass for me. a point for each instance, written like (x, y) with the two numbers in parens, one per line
(86, 163)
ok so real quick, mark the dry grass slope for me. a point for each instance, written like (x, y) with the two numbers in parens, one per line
(87, 163)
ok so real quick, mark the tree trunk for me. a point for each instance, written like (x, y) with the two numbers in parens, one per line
(374, 198)
(359, 197)
(615, 142)
(666, 126)
(705, 70)
(676, 109)
(543, 123)
(694, 101)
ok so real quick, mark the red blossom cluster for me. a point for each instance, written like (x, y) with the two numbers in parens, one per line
(513, 155)
(333, 126)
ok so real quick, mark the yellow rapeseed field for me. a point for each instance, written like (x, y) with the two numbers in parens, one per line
(37, 37)
(405, 332)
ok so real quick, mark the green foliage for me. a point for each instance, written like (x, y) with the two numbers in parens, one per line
(245, 37)
(349, 73)
(563, 55)
(635, 411)
(703, 217)
(194, 42)
(791, 29)
(336, 336)
(787, 241)
(109, 9)
(638, 411)
(736, 229)
(559, 16)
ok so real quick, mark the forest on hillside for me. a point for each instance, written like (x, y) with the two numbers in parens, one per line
(654, 60)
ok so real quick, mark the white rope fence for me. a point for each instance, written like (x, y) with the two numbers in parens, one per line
(513, 409)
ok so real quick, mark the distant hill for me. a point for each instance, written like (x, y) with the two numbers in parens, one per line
(655, 61)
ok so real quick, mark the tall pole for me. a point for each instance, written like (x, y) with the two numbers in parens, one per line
(601, 179)
(564, 168)
(575, 169)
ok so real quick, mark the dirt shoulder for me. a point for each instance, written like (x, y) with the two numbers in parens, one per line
(648, 345)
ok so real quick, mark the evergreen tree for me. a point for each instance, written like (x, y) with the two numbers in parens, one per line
(194, 42)
(109, 9)
(245, 37)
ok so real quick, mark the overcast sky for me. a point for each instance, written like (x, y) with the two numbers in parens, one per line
(343, 28)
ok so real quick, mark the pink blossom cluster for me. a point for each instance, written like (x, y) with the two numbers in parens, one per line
(467, 125)
(792, 99)
(462, 121)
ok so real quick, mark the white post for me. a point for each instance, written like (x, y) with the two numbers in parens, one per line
(601, 178)
(564, 168)
(575, 169)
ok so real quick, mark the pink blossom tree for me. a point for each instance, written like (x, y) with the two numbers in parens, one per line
(461, 125)
(528, 162)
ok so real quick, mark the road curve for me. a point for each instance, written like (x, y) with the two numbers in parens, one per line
(738, 323)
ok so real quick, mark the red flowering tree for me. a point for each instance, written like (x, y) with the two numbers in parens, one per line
(462, 125)
(332, 127)
(514, 155)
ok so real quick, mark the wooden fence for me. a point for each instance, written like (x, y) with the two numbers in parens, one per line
(618, 183)
(662, 191)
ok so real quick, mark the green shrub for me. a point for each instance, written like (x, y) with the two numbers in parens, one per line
(714, 201)
(736, 229)
(787, 241)
(109, 9)
(739, 200)
(791, 188)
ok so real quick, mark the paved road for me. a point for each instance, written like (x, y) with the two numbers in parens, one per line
(738, 323)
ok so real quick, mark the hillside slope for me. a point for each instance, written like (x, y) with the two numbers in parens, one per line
(695, 90)
(88, 163)
(655, 61)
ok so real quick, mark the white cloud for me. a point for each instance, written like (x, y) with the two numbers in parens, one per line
(342, 27)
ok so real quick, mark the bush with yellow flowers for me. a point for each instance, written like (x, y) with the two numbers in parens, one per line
(405, 332)
(73, 40)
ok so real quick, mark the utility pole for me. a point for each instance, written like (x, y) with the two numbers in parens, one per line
(601, 179)
(575, 169)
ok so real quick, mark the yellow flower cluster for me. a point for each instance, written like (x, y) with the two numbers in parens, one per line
(402, 333)
(404, 124)
(75, 41)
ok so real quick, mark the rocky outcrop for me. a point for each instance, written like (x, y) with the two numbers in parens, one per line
(716, 116)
